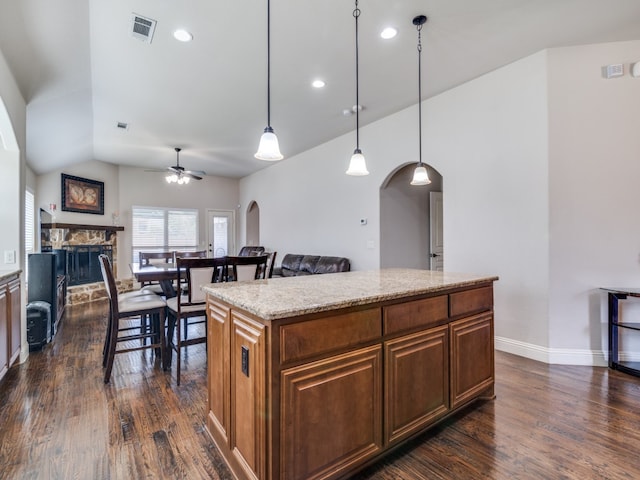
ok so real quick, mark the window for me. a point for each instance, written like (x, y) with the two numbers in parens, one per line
(29, 228)
(156, 229)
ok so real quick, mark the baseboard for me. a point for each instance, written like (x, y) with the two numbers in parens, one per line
(560, 356)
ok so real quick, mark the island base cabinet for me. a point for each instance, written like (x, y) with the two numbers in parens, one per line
(248, 395)
(218, 370)
(331, 412)
(472, 358)
(416, 382)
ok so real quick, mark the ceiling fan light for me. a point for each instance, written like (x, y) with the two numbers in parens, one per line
(357, 165)
(269, 149)
(420, 176)
(168, 178)
(185, 179)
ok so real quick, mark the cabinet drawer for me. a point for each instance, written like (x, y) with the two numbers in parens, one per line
(471, 301)
(419, 313)
(328, 334)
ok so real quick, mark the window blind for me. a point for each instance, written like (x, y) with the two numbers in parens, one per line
(157, 229)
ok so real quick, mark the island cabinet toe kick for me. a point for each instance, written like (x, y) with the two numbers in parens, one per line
(319, 392)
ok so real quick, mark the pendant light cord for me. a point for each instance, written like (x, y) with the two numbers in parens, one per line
(269, 65)
(419, 27)
(356, 14)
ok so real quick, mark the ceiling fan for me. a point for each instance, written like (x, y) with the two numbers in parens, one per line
(179, 175)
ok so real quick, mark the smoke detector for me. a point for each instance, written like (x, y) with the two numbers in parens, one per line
(142, 28)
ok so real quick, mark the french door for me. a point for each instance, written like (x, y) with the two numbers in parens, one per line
(221, 228)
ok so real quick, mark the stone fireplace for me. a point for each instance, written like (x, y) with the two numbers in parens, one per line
(83, 244)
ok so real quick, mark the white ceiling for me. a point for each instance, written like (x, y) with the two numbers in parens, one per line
(81, 72)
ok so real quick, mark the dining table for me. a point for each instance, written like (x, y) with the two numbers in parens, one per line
(166, 274)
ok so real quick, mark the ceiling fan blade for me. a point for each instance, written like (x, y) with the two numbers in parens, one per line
(196, 172)
(191, 175)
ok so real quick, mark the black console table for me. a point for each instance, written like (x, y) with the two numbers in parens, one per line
(614, 295)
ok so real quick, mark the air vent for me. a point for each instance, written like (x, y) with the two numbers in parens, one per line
(142, 28)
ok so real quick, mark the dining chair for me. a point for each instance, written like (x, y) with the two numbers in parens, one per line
(271, 261)
(196, 254)
(184, 254)
(190, 306)
(127, 307)
(245, 268)
(251, 251)
(154, 258)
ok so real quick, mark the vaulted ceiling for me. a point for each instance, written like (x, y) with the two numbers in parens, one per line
(81, 71)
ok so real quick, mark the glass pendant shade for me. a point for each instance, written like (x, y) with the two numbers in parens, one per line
(269, 149)
(420, 176)
(357, 165)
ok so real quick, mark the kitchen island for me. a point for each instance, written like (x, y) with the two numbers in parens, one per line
(315, 377)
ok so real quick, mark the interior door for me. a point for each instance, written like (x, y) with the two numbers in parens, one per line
(436, 227)
(221, 230)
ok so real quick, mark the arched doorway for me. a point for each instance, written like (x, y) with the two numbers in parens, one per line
(405, 219)
(253, 224)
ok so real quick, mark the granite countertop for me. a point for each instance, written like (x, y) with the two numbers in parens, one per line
(7, 274)
(292, 296)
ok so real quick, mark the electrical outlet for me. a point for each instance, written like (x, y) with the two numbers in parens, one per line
(9, 256)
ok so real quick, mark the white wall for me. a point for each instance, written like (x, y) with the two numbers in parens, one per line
(141, 188)
(127, 186)
(12, 162)
(50, 191)
(488, 139)
(595, 170)
(12, 181)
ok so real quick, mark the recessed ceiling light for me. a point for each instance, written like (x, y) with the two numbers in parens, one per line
(182, 35)
(318, 84)
(388, 33)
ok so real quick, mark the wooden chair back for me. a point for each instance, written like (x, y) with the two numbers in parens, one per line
(271, 261)
(154, 258)
(197, 272)
(246, 268)
(196, 254)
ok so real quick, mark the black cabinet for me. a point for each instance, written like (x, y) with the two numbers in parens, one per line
(46, 285)
(617, 327)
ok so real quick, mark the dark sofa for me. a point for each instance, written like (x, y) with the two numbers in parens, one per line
(294, 265)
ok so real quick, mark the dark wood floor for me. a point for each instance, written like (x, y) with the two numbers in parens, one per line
(59, 421)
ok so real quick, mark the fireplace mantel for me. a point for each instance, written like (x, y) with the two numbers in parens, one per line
(78, 226)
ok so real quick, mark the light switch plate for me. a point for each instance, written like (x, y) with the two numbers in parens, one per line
(9, 256)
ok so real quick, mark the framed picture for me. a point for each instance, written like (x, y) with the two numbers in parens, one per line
(82, 195)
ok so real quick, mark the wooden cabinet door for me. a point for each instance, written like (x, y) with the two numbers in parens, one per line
(472, 358)
(331, 415)
(248, 435)
(218, 369)
(15, 320)
(416, 381)
(4, 330)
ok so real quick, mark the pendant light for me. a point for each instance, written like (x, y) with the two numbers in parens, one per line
(269, 149)
(420, 175)
(357, 165)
